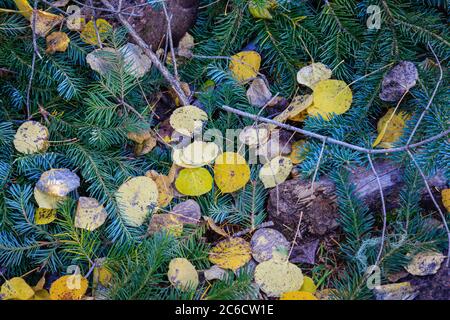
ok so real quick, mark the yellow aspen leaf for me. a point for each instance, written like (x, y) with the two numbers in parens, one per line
(260, 11)
(199, 153)
(330, 96)
(89, 35)
(45, 21)
(194, 182)
(58, 182)
(231, 253)
(277, 276)
(182, 274)
(135, 198)
(254, 135)
(57, 41)
(425, 263)
(297, 149)
(312, 74)
(446, 199)
(164, 184)
(16, 288)
(90, 214)
(297, 106)
(390, 128)
(69, 287)
(245, 65)
(24, 7)
(188, 119)
(44, 216)
(275, 172)
(308, 285)
(47, 201)
(102, 275)
(231, 172)
(31, 137)
(298, 295)
(41, 295)
(165, 222)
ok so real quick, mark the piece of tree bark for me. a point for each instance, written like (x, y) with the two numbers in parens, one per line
(320, 209)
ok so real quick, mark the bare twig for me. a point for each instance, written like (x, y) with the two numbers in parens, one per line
(97, 33)
(169, 36)
(156, 62)
(444, 220)
(383, 208)
(335, 141)
(296, 235)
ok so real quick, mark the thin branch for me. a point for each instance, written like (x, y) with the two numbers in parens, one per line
(331, 140)
(383, 208)
(444, 220)
(169, 36)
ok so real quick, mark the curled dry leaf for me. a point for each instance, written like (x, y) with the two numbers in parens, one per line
(57, 41)
(187, 212)
(395, 291)
(135, 198)
(187, 120)
(102, 60)
(298, 295)
(398, 80)
(41, 295)
(308, 285)
(446, 199)
(139, 136)
(265, 241)
(90, 214)
(297, 106)
(145, 147)
(136, 62)
(213, 226)
(164, 184)
(254, 135)
(231, 253)
(258, 94)
(89, 35)
(194, 182)
(45, 22)
(44, 216)
(186, 45)
(31, 137)
(297, 150)
(70, 287)
(231, 172)
(58, 182)
(17, 289)
(165, 222)
(330, 97)
(312, 74)
(390, 128)
(277, 276)
(182, 274)
(245, 65)
(275, 172)
(425, 263)
(47, 201)
(214, 273)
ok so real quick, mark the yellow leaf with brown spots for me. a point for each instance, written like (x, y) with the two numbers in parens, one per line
(57, 42)
(231, 172)
(69, 287)
(231, 253)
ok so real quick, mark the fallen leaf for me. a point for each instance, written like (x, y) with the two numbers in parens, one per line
(298, 295)
(187, 212)
(47, 201)
(187, 120)
(308, 285)
(213, 226)
(312, 74)
(275, 172)
(277, 276)
(199, 153)
(330, 97)
(398, 80)
(145, 147)
(231, 253)
(304, 252)
(245, 65)
(41, 295)
(278, 145)
(136, 62)
(265, 241)
(16, 288)
(215, 273)
(258, 94)
(58, 182)
(165, 222)
(260, 10)
(425, 263)
(90, 214)
(69, 287)
(45, 22)
(44, 216)
(186, 45)
(102, 60)
(231, 172)
(135, 199)
(297, 150)
(24, 7)
(194, 182)
(298, 105)
(89, 35)
(254, 136)
(31, 137)
(390, 128)
(164, 184)
(445, 193)
(182, 274)
(395, 291)
(57, 42)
